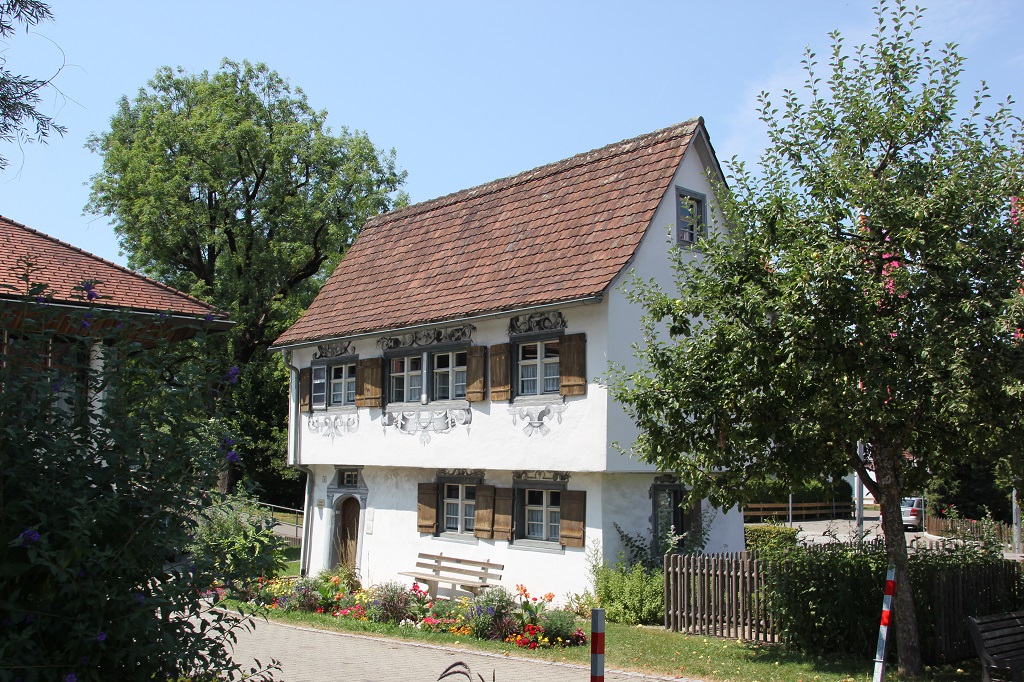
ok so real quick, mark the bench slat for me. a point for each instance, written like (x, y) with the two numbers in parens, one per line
(470, 562)
(450, 580)
(456, 569)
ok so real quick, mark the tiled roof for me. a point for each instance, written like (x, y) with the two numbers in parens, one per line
(62, 267)
(560, 232)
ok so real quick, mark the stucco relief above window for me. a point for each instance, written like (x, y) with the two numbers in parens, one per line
(333, 425)
(333, 349)
(427, 337)
(537, 322)
(427, 422)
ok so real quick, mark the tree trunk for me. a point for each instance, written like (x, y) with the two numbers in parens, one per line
(228, 479)
(888, 462)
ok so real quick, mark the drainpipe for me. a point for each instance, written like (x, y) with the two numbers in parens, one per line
(294, 419)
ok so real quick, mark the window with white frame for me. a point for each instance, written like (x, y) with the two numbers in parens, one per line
(449, 375)
(543, 514)
(459, 507)
(406, 379)
(690, 216)
(333, 385)
(537, 368)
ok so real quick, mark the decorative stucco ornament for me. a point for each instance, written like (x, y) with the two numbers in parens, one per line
(333, 349)
(333, 425)
(537, 322)
(426, 422)
(427, 337)
(537, 417)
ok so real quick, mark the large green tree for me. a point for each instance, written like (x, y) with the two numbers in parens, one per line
(861, 291)
(231, 187)
(21, 120)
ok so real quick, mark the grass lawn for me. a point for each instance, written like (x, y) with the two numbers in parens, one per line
(656, 651)
(291, 556)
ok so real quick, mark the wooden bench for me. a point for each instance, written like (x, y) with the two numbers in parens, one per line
(467, 574)
(1000, 643)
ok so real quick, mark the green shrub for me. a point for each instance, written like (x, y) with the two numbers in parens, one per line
(492, 615)
(235, 540)
(558, 625)
(769, 537)
(389, 603)
(631, 594)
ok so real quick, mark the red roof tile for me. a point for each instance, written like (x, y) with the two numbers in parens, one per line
(62, 267)
(556, 233)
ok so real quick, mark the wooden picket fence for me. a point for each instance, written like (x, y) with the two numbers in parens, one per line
(761, 511)
(723, 595)
(968, 528)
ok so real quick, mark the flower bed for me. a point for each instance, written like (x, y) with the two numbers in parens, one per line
(520, 619)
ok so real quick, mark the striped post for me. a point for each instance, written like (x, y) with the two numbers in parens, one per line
(597, 645)
(883, 628)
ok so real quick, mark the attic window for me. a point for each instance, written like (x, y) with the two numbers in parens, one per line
(691, 216)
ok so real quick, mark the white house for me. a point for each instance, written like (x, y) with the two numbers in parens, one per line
(446, 383)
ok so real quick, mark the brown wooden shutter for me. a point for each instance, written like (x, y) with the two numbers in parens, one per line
(574, 518)
(370, 382)
(306, 390)
(426, 508)
(573, 363)
(501, 372)
(476, 375)
(502, 513)
(483, 513)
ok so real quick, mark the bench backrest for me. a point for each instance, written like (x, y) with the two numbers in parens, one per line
(998, 636)
(439, 563)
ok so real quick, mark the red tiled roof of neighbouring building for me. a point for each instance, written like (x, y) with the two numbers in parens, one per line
(63, 267)
(557, 233)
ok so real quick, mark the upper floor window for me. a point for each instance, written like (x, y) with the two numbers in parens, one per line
(691, 216)
(538, 367)
(333, 385)
(406, 379)
(449, 371)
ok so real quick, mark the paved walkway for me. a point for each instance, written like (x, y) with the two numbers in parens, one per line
(308, 655)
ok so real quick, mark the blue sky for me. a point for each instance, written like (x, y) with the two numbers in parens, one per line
(465, 92)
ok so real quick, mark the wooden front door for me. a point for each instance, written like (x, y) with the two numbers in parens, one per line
(346, 532)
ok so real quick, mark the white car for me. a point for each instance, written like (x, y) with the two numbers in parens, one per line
(913, 512)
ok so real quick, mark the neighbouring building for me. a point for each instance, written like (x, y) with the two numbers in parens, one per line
(446, 384)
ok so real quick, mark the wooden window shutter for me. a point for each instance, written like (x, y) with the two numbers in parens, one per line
(426, 508)
(305, 389)
(502, 514)
(574, 518)
(501, 372)
(476, 375)
(573, 364)
(370, 382)
(483, 513)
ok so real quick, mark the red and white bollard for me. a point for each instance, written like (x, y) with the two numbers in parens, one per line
(597, 645)
(883, 628)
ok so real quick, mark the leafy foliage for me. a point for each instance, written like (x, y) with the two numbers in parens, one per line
(231, 187)
(631, 594)
(235, 540)
(867, 290)
(20, 117)
(103, 464)
(769, 537)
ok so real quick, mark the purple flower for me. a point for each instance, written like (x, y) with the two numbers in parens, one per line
(233, 373)
(87, 321)
(102, 637)
(229, 441)
(71, 678)
(29, 536)
(208, 317)
(90, 291)
(81, 573)
(139, 597)
(232, 456)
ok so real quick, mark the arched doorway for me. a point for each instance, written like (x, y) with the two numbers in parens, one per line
(344, 545)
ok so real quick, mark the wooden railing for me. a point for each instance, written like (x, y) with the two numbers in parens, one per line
(801, 510)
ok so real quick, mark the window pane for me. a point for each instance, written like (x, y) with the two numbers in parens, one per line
(451, 491)
(460, 359)
(350, 391)
(415, 383)
(398, 365)
(551, 349)
(470, 492)
(555, 498)
(451, 516)
(337, 393)
(460, 384)
(397, 388)
(535, 498)
(415, 364)
(528, 351)
(467, 523)
(554, 519)
(441, 390)
(442, 361)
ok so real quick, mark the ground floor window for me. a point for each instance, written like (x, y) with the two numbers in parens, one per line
(671, 519)
(543, 514)
(459, 507)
